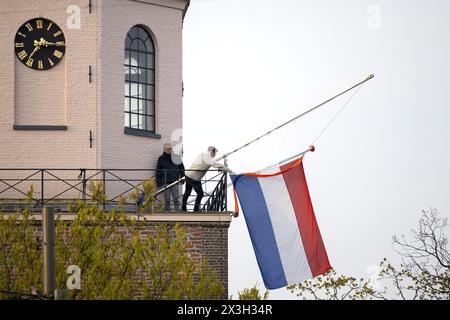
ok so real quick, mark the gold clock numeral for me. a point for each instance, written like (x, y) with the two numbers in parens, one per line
(60, 43)
(22, 54)
(51, 62)
(49, 26)
(29, 27)
(40, 64)
(19, 45)
(30, 62)
(39, 24)
(57, 33)
(58, 54)
(21, 34)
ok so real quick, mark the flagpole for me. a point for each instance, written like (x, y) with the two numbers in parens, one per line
(370, 77)
(310, 149)
(297, 117)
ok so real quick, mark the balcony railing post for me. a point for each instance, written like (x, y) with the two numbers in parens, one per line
(166, 205)
(48, 230)
(42, 188)
(225, 204)
(84, 184)
(104, 189)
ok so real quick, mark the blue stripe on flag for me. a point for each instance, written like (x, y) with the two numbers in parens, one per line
(260, 228)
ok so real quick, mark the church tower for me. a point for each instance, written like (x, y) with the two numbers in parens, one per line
(89, 83)
(96, 84)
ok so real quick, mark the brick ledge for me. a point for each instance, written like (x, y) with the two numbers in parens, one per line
(160, 217)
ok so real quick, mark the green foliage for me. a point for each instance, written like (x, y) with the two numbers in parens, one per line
(174, 274)
(116, 258)
(424, 273)
(97, 191)
(93, 242)
(253, 293)
(20, 256)
(329, 286)
(149, 205)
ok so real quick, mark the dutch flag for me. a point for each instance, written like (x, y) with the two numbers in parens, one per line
(282, 225)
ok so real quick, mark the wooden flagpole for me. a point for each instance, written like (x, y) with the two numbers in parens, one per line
(370, 77)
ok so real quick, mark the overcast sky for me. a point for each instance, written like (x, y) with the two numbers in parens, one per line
(249, 65)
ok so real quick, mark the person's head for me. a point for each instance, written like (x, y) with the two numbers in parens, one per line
(212, 151)
(167, 148)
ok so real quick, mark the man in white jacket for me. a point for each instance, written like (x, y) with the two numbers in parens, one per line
(195, 174)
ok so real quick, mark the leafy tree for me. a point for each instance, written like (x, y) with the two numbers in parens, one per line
(117, 259)
(253, 293)
(173, 274)
(329, 286)
(98, 243)
(20, 257)
(423, 274)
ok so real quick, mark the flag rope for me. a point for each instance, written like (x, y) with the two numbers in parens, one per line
(296, 117)
(224, 156)
(337, 114)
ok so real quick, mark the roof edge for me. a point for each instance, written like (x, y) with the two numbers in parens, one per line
(188, 2)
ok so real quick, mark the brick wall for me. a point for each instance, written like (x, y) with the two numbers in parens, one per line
(119, 150)
(59, 96)
(207, 236)
(64, 96)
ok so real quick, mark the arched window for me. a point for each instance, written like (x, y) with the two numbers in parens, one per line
(139, 80)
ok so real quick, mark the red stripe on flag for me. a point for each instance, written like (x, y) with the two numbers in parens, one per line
(309, 230)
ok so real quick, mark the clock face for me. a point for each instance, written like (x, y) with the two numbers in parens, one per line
(40, 44)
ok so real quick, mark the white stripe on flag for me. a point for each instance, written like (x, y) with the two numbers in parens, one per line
(285, 227)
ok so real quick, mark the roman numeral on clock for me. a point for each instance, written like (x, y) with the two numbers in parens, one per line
(30, 62)
(58, 54)
(22, 54)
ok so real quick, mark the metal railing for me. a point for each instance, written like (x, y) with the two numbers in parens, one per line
(60, 187)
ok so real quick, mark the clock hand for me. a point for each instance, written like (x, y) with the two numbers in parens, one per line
(46, 43)
(38, 43)
(37, 46)
(34, 51)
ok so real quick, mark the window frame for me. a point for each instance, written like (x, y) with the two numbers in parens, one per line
(140, 83)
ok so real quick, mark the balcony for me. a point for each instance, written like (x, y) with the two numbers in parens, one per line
(59, 188)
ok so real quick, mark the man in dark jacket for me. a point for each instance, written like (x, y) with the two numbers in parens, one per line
(169, 169)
